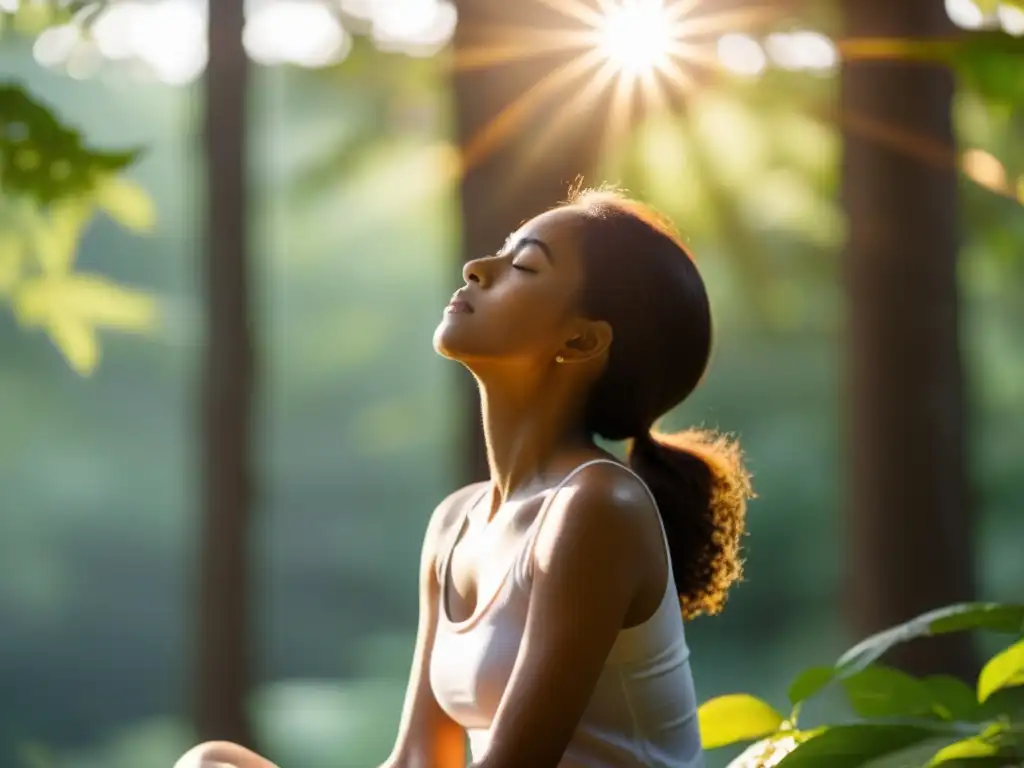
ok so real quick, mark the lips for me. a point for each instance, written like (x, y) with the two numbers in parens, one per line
(458, 305)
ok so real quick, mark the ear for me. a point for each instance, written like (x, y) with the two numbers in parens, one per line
(591, 341)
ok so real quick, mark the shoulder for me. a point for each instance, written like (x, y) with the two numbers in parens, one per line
(603, 513)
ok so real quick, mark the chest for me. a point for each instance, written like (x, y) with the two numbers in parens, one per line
(481, 556)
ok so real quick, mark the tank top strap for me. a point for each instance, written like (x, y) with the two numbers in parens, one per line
(441, 563)
(524, 568)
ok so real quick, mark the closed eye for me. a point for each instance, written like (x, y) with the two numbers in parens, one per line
(524, 269)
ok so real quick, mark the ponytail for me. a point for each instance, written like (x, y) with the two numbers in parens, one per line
(701, 487)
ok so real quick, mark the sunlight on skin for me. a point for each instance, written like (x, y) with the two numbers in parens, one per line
(222, 754)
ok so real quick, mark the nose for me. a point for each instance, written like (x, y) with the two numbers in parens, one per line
(474, 271)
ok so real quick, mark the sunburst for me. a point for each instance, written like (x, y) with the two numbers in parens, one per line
(648, 53)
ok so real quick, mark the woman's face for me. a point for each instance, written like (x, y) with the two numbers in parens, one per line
(519, 304)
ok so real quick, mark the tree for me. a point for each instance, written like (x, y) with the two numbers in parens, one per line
(224, 637)
(909, 537)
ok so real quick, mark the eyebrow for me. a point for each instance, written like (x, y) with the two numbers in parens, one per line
(539, 244)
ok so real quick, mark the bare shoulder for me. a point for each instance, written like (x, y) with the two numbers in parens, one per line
(604, 509)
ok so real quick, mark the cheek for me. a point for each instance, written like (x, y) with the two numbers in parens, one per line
(515, 326)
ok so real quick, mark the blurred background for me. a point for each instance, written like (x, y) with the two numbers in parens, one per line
(226, 235)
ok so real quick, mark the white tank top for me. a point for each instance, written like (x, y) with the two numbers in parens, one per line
(643, 711)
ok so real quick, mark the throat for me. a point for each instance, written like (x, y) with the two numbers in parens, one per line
(524, 434)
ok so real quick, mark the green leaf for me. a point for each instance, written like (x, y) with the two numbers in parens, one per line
(1004, 670)
(810, 682)
(32, 302)
(105, 304)
(734, 718)
(77, 341)
(953, 699)
(966, 748)
(126, 203)
(879, 691)
(995, 617)
(11, 256)
(914, 756)
(42, 158)
(851, 746)
(32, 18)
(85, 299)
(1001, 704)
(988, 62)
(56, 235)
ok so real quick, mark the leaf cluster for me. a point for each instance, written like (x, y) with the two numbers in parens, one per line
(901, 721)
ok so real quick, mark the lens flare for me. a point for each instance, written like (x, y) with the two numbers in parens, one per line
(631, 57)
(636, 37)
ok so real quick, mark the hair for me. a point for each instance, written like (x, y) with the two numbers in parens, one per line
(640, 278)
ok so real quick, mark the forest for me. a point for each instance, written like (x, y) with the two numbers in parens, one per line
(227, 230)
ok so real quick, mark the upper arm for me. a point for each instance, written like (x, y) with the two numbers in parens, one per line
(427, 737)
(589, 562)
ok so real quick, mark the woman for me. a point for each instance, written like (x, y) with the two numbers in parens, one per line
(550, 629)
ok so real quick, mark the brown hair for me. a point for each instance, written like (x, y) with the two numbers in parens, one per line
(639, 277)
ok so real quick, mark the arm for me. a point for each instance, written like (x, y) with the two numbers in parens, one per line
(591, 557)
(427, 737)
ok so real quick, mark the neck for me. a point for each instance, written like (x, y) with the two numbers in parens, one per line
(528, 418)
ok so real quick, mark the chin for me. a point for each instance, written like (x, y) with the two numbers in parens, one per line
(460, 341)
(446, 341)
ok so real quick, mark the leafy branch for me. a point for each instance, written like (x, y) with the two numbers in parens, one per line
(53, 186)
(901, 720)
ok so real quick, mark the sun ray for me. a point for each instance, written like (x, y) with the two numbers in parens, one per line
(650, 53)
(693, 59)
(727, 21)
(575, 108)
(653, 97)
(620, 111)
(678, 11)
(507, 120)
(678, 77)
(534, 43)
(576, 10)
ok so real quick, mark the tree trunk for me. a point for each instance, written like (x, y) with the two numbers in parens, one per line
(223, 655)
(520, 173)
(909, 535)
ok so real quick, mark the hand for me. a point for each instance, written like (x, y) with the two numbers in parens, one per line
(222, 754)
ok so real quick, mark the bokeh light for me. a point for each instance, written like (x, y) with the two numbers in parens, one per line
(633, 38)
(741, 54)
(295, 32)
(1011, 19)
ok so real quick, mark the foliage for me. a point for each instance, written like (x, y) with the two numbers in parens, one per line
(902, 721)
(30, 18)
(53, 186)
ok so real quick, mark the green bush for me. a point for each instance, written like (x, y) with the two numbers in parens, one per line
(900, 721)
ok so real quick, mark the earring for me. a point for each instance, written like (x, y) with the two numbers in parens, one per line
(559, 359)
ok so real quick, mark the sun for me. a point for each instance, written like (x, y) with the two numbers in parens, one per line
(632, 57)
(636, 37)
